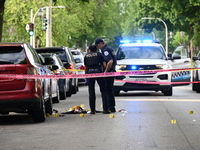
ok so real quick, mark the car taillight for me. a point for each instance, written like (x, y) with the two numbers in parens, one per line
(31, 71)
(82, 67)
(71, 66)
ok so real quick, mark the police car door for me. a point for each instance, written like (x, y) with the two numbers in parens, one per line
(181, 60)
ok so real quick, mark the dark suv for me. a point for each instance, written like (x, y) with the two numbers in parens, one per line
(69, 63)
(32, 96)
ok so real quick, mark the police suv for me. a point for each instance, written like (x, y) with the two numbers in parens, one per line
(143, 56)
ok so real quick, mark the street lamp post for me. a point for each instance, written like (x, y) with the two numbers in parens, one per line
(166, 31)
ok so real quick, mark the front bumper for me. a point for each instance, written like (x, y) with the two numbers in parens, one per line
(159, 79)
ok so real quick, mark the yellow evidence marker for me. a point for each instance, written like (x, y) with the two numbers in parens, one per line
(56, 115)
(48, 115)
(111, 116)
(81, 115)
(191, 112)
(82, 105)
(173, 121)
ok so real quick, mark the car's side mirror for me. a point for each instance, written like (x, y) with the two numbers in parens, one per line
(195, 58)
(54, 67)
(66, 64)
(176, 56)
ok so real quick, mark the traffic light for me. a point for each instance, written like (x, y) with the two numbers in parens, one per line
(31, 29)
(44, 24)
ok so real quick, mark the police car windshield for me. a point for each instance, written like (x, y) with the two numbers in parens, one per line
(139, 52)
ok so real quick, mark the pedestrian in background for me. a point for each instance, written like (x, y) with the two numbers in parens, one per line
(94, 63)
(109, 56)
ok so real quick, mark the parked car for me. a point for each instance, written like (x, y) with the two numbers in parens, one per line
(66, 57)
(196, 73)
(59, 69)
(48, 62)
(32, 96)
(79, 57)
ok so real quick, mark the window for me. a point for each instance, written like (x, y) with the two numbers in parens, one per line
(139, 52)
(182, 51)
(12, 55)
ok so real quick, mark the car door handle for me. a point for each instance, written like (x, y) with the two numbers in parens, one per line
(186, 61)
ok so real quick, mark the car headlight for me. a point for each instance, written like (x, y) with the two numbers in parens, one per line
(120, 67)
(164, 66)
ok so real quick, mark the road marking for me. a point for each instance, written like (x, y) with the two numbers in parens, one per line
(170, 100)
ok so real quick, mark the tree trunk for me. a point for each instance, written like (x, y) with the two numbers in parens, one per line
(2, 2)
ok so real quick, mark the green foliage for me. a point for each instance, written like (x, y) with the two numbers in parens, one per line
(180, 39)
(82, 21)
(179, 15)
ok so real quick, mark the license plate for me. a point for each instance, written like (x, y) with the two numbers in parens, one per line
(140, 79)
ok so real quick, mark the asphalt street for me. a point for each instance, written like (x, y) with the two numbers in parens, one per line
(149, 121)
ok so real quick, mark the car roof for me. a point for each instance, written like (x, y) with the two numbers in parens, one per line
(12, 44)
(43, 48)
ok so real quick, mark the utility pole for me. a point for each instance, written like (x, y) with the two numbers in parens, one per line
(31, 20)
(50, 23)
(48, 26)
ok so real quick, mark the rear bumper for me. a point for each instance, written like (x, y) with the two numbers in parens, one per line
(81, 79)
(19, 101)
(158, 78)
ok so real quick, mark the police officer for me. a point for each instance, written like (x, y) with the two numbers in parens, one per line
(94, 63)
(109, 56)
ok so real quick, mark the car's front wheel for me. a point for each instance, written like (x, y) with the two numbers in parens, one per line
(57, 98)
(49, 105)
(69, 92)
(63, 95)
(168, 92)
(197, 85)
(74, 88)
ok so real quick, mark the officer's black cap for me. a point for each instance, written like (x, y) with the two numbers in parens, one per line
(97, 41)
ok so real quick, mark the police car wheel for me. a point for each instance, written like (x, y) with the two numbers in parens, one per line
(168, 92)
(197, 87)
(194, 85)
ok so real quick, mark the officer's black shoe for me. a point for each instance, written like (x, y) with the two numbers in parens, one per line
(112, 110)
(92, 112)
(106, 112)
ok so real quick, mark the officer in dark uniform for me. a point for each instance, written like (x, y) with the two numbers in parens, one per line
(94, 63)
(109, 56)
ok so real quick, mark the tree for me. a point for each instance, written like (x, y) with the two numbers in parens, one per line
(179, 15)
(33, 3)
(2, 2)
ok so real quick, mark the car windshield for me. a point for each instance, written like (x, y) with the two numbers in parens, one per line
(12, 55)
(61, 53)
(76, 53)
(140, 52)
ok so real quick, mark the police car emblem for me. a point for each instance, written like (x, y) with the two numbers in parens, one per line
(106, 53)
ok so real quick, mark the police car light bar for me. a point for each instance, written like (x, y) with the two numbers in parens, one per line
(138, 41)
